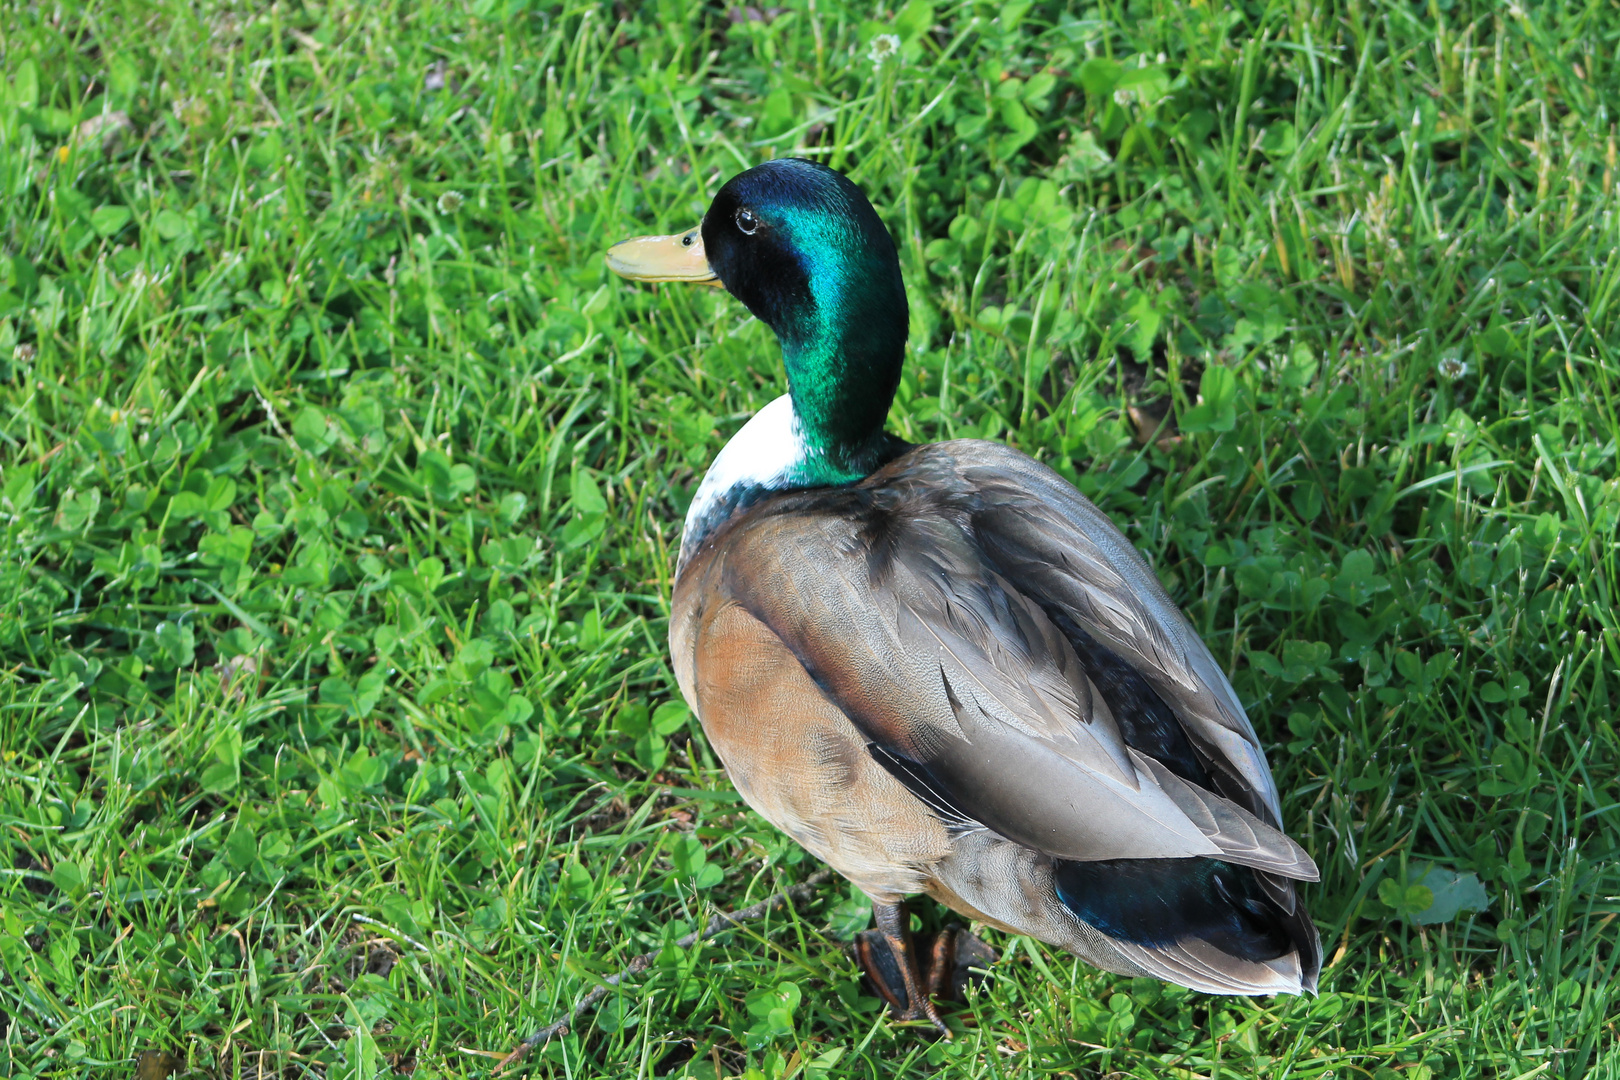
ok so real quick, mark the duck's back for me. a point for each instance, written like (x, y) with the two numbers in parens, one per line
(958, 677)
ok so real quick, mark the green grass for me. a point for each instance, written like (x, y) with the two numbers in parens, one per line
(340, 486)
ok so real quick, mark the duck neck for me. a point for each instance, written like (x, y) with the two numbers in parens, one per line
(843, 355)
(841, 397)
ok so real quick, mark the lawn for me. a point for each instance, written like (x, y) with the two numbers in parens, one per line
(340, 486)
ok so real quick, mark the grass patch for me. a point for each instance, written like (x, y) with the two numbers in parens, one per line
(340, 486)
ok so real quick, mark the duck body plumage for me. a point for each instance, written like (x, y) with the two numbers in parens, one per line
(957, 677)
(940, 668)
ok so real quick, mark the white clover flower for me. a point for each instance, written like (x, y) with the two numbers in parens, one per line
(450, 202)
(884, 46)
(1453, 367)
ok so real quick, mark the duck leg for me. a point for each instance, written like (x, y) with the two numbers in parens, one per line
(895, 974)
(942, 966)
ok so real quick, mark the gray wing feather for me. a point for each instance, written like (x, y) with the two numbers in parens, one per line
(945, 658)
(1055, 544)
(946, 666)
(1243, 838)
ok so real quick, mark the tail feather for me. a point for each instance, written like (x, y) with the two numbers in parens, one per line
(1201, 916)
(1301, 931)
(1200, 966)
(1200, 923)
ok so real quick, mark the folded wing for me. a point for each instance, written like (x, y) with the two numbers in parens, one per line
(943, 628)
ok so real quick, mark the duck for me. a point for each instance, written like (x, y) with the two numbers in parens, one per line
(942, 670)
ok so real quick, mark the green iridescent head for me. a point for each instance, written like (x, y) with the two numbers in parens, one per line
(801, 246)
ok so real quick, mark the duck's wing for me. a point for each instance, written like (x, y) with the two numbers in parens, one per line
(923, 620)
(1053, 543)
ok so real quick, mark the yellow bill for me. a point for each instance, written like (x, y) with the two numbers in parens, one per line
(663, 258)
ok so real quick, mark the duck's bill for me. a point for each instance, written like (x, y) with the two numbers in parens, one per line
(663, 258)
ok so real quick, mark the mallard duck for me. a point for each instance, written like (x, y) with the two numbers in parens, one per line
(940, 668)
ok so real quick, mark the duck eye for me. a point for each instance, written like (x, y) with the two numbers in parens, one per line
(686, 241)
(747, 222)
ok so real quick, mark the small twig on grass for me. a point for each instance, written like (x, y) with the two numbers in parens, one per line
(723, 921)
